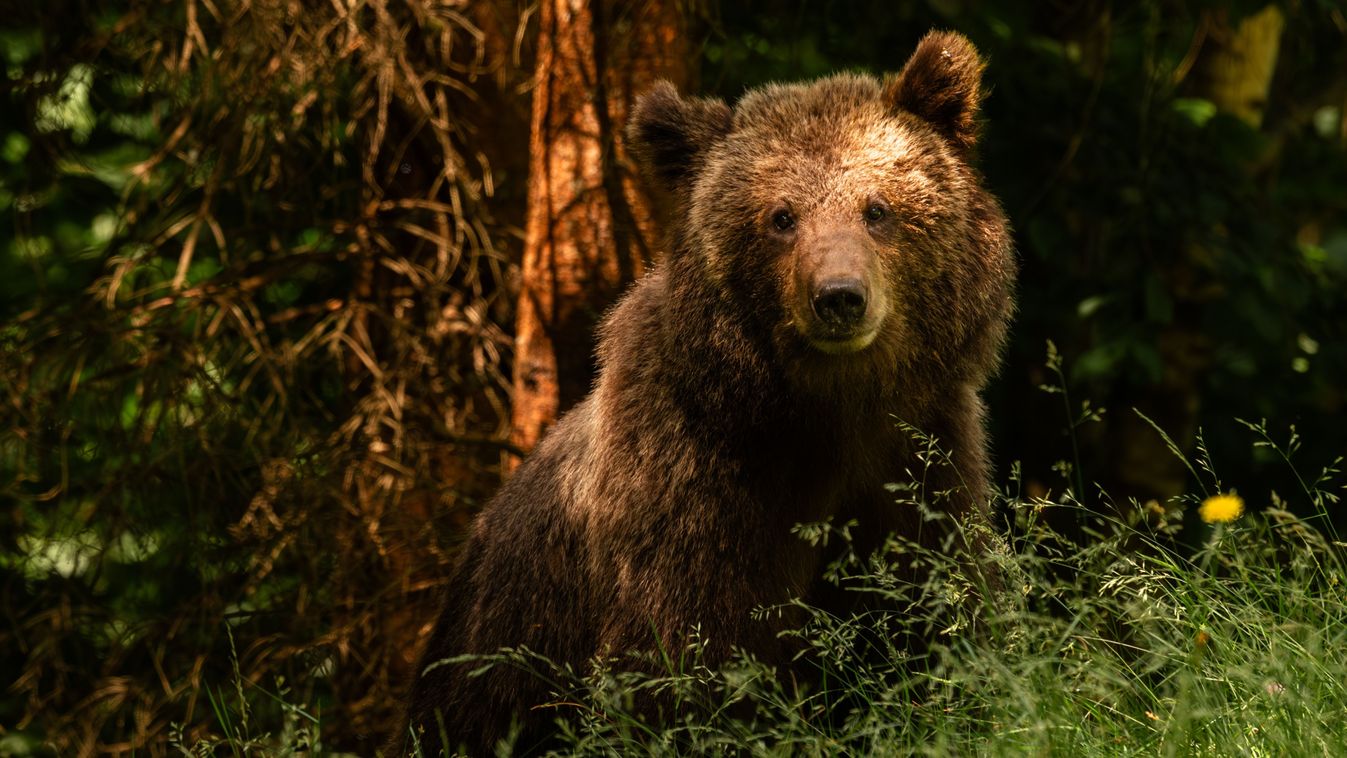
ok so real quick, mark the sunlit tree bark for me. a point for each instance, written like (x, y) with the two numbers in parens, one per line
(1236, 67)
(589, 229)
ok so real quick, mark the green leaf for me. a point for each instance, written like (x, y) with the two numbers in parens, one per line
(1195, 109)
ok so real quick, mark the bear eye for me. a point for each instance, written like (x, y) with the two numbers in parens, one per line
(875, 213)
(783, 221)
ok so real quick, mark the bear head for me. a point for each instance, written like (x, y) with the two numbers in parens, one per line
(843, 216)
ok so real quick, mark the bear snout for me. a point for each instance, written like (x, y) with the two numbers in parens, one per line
(840, 303)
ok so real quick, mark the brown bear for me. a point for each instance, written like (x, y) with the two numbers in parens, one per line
(833, 264)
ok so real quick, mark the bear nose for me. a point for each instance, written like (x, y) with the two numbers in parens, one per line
(840, 302)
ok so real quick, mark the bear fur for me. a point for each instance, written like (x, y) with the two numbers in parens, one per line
(739, 394)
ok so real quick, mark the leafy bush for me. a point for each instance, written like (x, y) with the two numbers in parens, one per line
(251, 361)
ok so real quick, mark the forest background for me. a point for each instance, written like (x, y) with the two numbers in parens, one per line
(287, 285)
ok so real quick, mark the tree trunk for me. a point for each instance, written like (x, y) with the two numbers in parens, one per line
(590, 226)
(1236, 66)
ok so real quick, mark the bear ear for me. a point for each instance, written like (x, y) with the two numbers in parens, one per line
(669, 134)
(941, 84)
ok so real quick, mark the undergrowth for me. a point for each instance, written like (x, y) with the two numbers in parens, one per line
(1135, 635)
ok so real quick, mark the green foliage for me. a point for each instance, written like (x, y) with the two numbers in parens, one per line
(250, 355)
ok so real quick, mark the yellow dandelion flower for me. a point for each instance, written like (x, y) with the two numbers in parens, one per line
(1221, 509)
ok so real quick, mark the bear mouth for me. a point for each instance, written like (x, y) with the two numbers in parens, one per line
(842, 344)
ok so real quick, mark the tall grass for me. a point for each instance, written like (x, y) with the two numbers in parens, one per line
(1155, 633)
